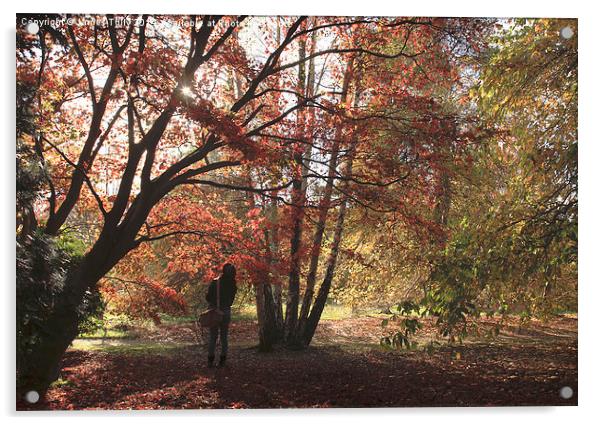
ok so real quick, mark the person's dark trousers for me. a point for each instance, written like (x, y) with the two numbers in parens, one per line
(222, 331)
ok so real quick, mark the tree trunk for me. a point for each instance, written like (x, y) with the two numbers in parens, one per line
(292, 302)
(266, 309)
(276, 288)
(323, 213)
(320, 302)
(40, 365)
(274, 250)
(298, 201)
(265, 316)
(318, 307)
(279, 313)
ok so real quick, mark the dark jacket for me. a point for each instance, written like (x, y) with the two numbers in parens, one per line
(226, 294)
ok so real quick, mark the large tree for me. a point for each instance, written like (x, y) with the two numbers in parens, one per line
(132, 110)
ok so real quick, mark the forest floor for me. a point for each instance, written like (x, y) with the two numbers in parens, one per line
(165, 368)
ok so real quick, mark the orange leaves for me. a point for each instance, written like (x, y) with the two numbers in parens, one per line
(133, 64)
(391, 121)
(223, 124)
(253, 213)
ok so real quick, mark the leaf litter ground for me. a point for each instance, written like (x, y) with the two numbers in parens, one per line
(345, 367)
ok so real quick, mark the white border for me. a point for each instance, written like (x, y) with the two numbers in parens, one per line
(473, 8)
(590, 237)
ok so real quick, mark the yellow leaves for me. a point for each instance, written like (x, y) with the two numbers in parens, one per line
(536, 55)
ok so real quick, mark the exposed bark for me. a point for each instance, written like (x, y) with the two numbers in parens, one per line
(265, 315)
(268, 295)
(298, 201)
(311, 324)
(440, 217)
(269, 308)
(279, 313)
(441, 211)
(292, 302)
(310, 89)
(320, 302)
(324, 207)
(276, 286)
(444, 201)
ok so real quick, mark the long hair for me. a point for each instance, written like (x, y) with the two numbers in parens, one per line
(228, 274)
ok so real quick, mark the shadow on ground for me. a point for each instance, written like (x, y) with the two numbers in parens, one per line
(154, 375)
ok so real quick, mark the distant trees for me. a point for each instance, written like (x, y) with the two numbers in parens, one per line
(529, 93)
(512, 226)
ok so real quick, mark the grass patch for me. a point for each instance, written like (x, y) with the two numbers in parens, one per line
(175, 320)
(331, 312)
(105, 333)
(61, 383)
(120, 326)
(244, 312)
(141, 348)
(336, 312)
(114, 326)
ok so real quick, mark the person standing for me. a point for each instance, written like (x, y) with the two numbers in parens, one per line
(227, 292)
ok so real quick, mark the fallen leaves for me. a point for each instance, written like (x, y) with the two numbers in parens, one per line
(332, 373)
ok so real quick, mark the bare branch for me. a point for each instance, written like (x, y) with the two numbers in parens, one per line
(236, 187)
(340, 51)
(169, 234)
(84, 65)
(223, 38)
(83, 172)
